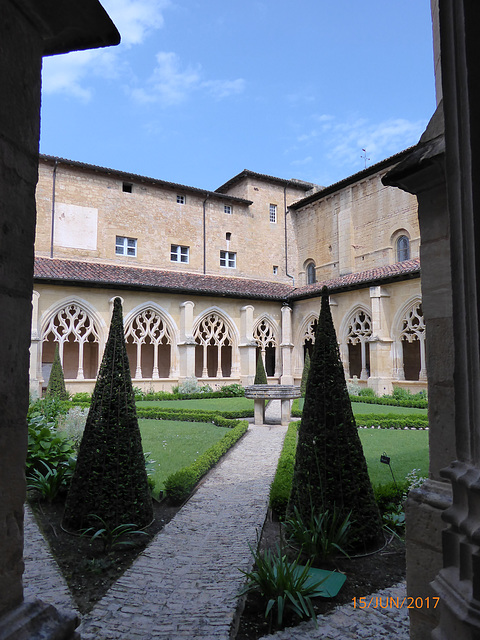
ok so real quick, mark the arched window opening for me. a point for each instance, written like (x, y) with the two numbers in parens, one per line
(403, 249)
(78, 343)
(358, 335)
(311, 275)
(213, 354)
(264, 335)
(148, 345)
(309, 338)
(412, 338)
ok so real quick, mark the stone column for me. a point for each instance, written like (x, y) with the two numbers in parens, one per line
(186, 346)
(286, 345)
(247, 346)
(380, 342)
(423, 174)
(35, 374)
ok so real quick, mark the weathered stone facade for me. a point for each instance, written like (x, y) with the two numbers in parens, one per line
(250, 241)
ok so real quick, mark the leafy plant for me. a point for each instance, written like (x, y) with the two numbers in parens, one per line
(50, 483)
(233, 390)
(72, 424)
(45, 445)
(323, 536)
(112, 537)
(367, 392)
(281, 584)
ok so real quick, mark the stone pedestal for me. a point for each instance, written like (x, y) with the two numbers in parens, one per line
(262, 392)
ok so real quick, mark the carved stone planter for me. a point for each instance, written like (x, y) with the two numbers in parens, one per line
(261, 392)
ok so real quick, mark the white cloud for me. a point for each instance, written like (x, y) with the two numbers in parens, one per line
(73, 73)
(171, 84)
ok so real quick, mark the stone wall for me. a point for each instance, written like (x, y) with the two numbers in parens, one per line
(20, 65)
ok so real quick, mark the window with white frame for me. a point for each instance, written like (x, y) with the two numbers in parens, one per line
(227, 209)
(180, 199)
(179, 253)
(125, 246)
(228, 259)
(273, 213)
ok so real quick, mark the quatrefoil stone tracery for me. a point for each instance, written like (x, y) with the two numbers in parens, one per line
(72, 320)
(213, 331)
(148, 324)
(264, 335)
(413, 325)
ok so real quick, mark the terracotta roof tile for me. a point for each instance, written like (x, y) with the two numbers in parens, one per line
(108, 275)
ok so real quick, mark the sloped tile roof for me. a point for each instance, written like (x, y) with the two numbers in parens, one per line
(94, 274)
(389, 273)
(108, 275)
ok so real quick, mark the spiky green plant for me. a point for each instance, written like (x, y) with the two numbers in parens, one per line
(330, 469)
(110, 480)
(56, 383)
(260, 375)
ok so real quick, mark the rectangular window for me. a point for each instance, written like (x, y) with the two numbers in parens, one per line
(180, 199)
(227, 209)
(125, 246)
(275, 270)
(127, 187)
(273, 213)
(179, 253)
(228, 259)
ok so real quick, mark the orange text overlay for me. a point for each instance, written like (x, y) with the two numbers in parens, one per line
(389, 602)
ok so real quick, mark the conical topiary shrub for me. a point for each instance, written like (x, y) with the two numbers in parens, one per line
(306, 370)
(330, 468)
(260, 375)
(110, 480)
(56, 383)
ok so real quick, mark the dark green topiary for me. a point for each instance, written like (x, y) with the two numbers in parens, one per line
(306, 369)
(260, 375)
(56, 382)
(110, 480)
(330, 467)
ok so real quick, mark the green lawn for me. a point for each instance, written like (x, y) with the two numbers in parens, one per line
(362, 408)
(174, 445)
(407, 449)
(207, 404)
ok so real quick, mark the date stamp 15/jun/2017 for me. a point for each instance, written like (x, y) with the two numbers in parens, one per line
(389, 602)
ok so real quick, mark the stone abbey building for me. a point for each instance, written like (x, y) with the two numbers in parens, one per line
(212, 279)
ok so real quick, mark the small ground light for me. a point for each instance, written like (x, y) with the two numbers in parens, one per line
(386, 460)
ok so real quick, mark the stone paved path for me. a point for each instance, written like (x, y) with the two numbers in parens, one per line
(185, 584)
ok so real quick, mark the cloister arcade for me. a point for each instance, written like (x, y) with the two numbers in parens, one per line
(217, 343)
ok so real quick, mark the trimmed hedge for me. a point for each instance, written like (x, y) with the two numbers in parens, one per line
(392, 421)
(282, 482)
(393, 402)
(191, 415)
(179, 485)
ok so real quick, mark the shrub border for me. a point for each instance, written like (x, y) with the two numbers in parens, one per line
(282, 482)
(180, 485)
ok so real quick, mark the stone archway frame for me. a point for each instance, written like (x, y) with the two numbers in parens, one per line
(276, 331)
(397, 330)
(302, 332)
(234, 334)
(343, 337)
(170, 324)
(92, 313)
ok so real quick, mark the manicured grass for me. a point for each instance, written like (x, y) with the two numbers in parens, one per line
(361, 408)
(407, 449)
(207, 404)
(174, 445)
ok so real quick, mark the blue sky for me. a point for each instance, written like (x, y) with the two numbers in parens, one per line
(200, 89)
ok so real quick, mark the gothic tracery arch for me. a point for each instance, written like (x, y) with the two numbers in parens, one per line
(357, 336)
(75, 329)
(265, 335)
(215, 339)
(149, 343)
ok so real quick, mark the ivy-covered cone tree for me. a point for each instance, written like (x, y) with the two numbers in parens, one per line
(56, 382)
(330, 469)
(260, 375)
(110, 480)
